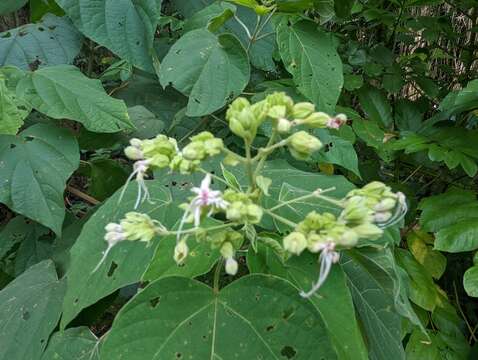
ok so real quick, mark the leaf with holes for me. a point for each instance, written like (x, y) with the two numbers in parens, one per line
(30, 307)
(333, 301)
(212, 70)
(126, 262)
(74, 343)
(256, 316)
(64, 92)
(125, 27)
(309, 54)
(51, 41)
(35, 167)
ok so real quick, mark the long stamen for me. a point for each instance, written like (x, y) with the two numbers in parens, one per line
(327, 258)
(105, 254)
(125, 186)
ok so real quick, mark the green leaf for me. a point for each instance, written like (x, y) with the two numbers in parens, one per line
(264, 184)
(310, 55)
(433, 261)
(212, 70)
(337, 151)
(423, 291)
(436, 213)
(211, 17)
(8, 6)
(373, 284)
(64, 92)
(334, 294)
(145, 121)
(107, 176)
(376, 106)
(343, 7)
(126, 28)
(126, 262)
(462, 236)
(470, 281)
(12, 111)
(74, 343)
(39, 8)
(30, 307)
(37, 164)
(256, 316)
(52, 41)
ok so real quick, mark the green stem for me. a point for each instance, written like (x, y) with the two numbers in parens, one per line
(281, 219)
(193, 230)
(263, 159)
(215, 177)
(232, 153)
(315, 194)
(217, 275)
(250, 173)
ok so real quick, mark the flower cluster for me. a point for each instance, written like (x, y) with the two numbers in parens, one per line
(366, 212)
(242, 208)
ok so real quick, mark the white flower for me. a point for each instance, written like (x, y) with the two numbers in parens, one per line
(181, 251)
(205, 198)
(140, 169)
(114, 234)
(400, 211)
(327, 258)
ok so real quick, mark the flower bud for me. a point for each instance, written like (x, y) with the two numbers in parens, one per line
(159, 161)
(194, 150)
(356, 211)
(316, 120)
(112, 238)
(231, 266)
(302, 145)
(348, 239)
(283, 125)
(136, 143)
(382, 217)
(227, 250)
(385, 205)
(302, 110)
(295, 243)
(277, 112)
(254, 213)
(133, 153)
(112, 227)
(181, 251)
(137, 226)
(368, 231)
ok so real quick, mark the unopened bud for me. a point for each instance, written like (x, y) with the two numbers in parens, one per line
(317, 120)
(227, 250)
(302, 145)
(368, 231)
(133, 153)
(302, 110)
(180, 252)
(136, 143)
(277, 111)
(381, 217)
(283, 125)
(385, 205)
(295, 243)
(231, 266)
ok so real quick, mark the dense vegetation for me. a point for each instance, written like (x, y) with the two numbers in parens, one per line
(243, 179)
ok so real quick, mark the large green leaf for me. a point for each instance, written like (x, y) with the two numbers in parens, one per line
(462, 236)
(212, 70)
(126, 262)
(12, 111)
(36, 166)
(52, 41)
(74, 343)
(125, 27)
(309, 54)
(30, 307)
(11, 5)
(64, 92)
(333, 301)
(256, 317)
(373, 286)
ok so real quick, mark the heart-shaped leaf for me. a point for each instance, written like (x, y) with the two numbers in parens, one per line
(256, 316)
(74, 343)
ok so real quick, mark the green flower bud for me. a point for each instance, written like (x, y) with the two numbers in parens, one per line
(302, 110)
(213, 146)
(368, 231)
(348, 239)
(356, 211)
(159, 161)
(231, 160)
(280, 98)
(302, 145)
(133, 153)
(295, 243)
(316, 120)
(254, 213)
(137, 143)
(227, 250)
(283, 125)
(277, 112)
(385, 205)
(382, 217)
(235, 211)
(202, 137)
(137, 226)
(181, 252)
(194, 151)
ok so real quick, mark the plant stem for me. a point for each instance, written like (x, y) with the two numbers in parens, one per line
(263, 159)
(193, 230)
(217, 275)
(315, 194)
(281, 219)
(250, 172)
